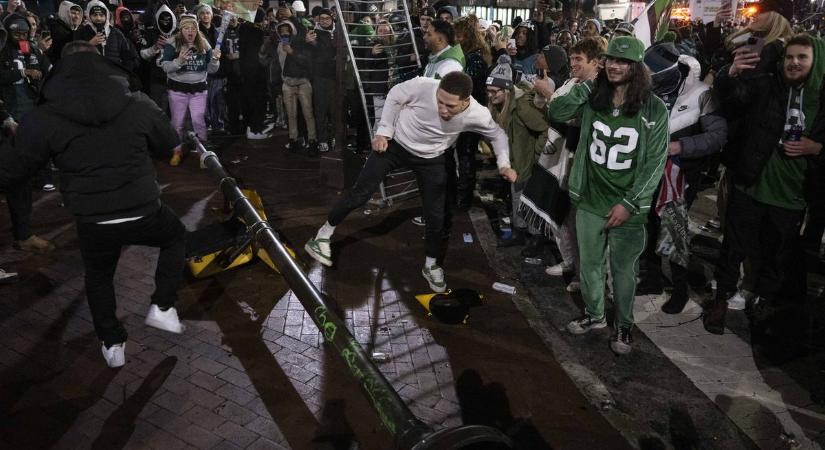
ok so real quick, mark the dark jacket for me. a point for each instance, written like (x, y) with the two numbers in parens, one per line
(10, 74)
(323, 54)
(99, 134)
(755, 104)
(118, 48)
(299, 63)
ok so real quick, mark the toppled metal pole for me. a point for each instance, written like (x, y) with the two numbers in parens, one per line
(409, 432)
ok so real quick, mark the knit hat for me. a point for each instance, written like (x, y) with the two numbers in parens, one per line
(15, 22)
(595, 22)
(298, 6)
(197, 9)
(783, 7)
(501, 75)
(626, 47)
(625, 28)
(186, 18)
(97, 9)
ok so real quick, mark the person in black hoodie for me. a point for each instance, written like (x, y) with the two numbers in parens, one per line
(62, 26)
(109, 41)
(323, 77)
(18, 196)
(86, 105)
(253, 102)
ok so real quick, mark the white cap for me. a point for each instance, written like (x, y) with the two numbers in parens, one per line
(298, 6)
(484, 24)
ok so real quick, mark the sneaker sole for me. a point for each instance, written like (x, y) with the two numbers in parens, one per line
(620, 348)
(316, 256)
(579, 331)
(161, 326)
(434, 287)
(736, 306)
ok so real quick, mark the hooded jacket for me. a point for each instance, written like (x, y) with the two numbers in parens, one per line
(61, 29)
(99, 134)
(526, 132)
(13, 83)
(323, 52)
(694, 118)
(298, 65)
(755, 104)
(117, 48)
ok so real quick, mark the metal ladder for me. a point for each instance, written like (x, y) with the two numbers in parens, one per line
(403, 59)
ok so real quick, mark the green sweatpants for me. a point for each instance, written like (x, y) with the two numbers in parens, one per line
(626, 244)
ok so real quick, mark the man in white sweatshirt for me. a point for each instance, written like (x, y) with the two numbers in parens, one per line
(422, 117)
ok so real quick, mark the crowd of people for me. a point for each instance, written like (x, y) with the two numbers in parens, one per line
(604, 141)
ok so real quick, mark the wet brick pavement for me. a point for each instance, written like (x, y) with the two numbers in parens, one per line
(250, 371)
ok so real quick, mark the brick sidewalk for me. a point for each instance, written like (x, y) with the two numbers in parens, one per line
(250, 371)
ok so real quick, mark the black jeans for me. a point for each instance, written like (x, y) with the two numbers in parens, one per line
(432, 181)
(323, 97)
(466, 148)
(765, 234)
(253, 103)
(100, 246)
(19, 200)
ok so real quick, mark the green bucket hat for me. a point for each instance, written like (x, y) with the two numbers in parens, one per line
(626, 47)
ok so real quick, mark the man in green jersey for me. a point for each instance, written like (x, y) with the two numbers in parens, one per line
(619, 162)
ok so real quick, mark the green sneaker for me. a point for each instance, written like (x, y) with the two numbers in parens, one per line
(435, 278)
(320, 250)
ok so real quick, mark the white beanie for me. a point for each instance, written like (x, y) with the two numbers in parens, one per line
(298, 6)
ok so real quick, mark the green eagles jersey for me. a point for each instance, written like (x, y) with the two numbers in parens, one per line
(619, 159)
(611, 146)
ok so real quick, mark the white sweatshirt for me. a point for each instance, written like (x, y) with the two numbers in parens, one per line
(410, 117)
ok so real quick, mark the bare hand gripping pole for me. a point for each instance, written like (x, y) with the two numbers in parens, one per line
(409, 432)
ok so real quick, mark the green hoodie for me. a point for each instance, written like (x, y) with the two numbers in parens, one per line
(527, 131)
(619, 159)
(453, 52)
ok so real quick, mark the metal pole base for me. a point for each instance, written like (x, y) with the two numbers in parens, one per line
(467, 437)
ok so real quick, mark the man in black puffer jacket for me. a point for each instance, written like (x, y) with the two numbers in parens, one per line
(102, 137)
(774, 143)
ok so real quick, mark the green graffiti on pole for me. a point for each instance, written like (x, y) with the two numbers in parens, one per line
(378, 395)
(328, 328)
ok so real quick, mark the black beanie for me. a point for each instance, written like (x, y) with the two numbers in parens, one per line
(782, 7)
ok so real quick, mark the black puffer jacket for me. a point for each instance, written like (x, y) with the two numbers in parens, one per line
(100, 135)
(755, 105)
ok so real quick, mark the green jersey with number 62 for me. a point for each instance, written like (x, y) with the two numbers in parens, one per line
(620, 159)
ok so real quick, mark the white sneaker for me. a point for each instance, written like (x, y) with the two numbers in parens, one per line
(323, 147)
(7, 277)
(559, 269)
(164, 320)
(115, 355)
(268, 128)
(739, 300)
(435, 278)
(419, 220)
(574, 286)
(320, 250)
(255, 136)
(48, 187)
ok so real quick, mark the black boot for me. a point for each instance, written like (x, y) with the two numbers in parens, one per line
(713, 318)
(312, 148)
(534, 247)
(294, 146)
(677, 301)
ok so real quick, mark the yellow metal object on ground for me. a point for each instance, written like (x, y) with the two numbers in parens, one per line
(203, 266)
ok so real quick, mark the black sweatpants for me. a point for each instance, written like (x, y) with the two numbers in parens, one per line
(765, 234)
(100, 247)
(431, 174)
